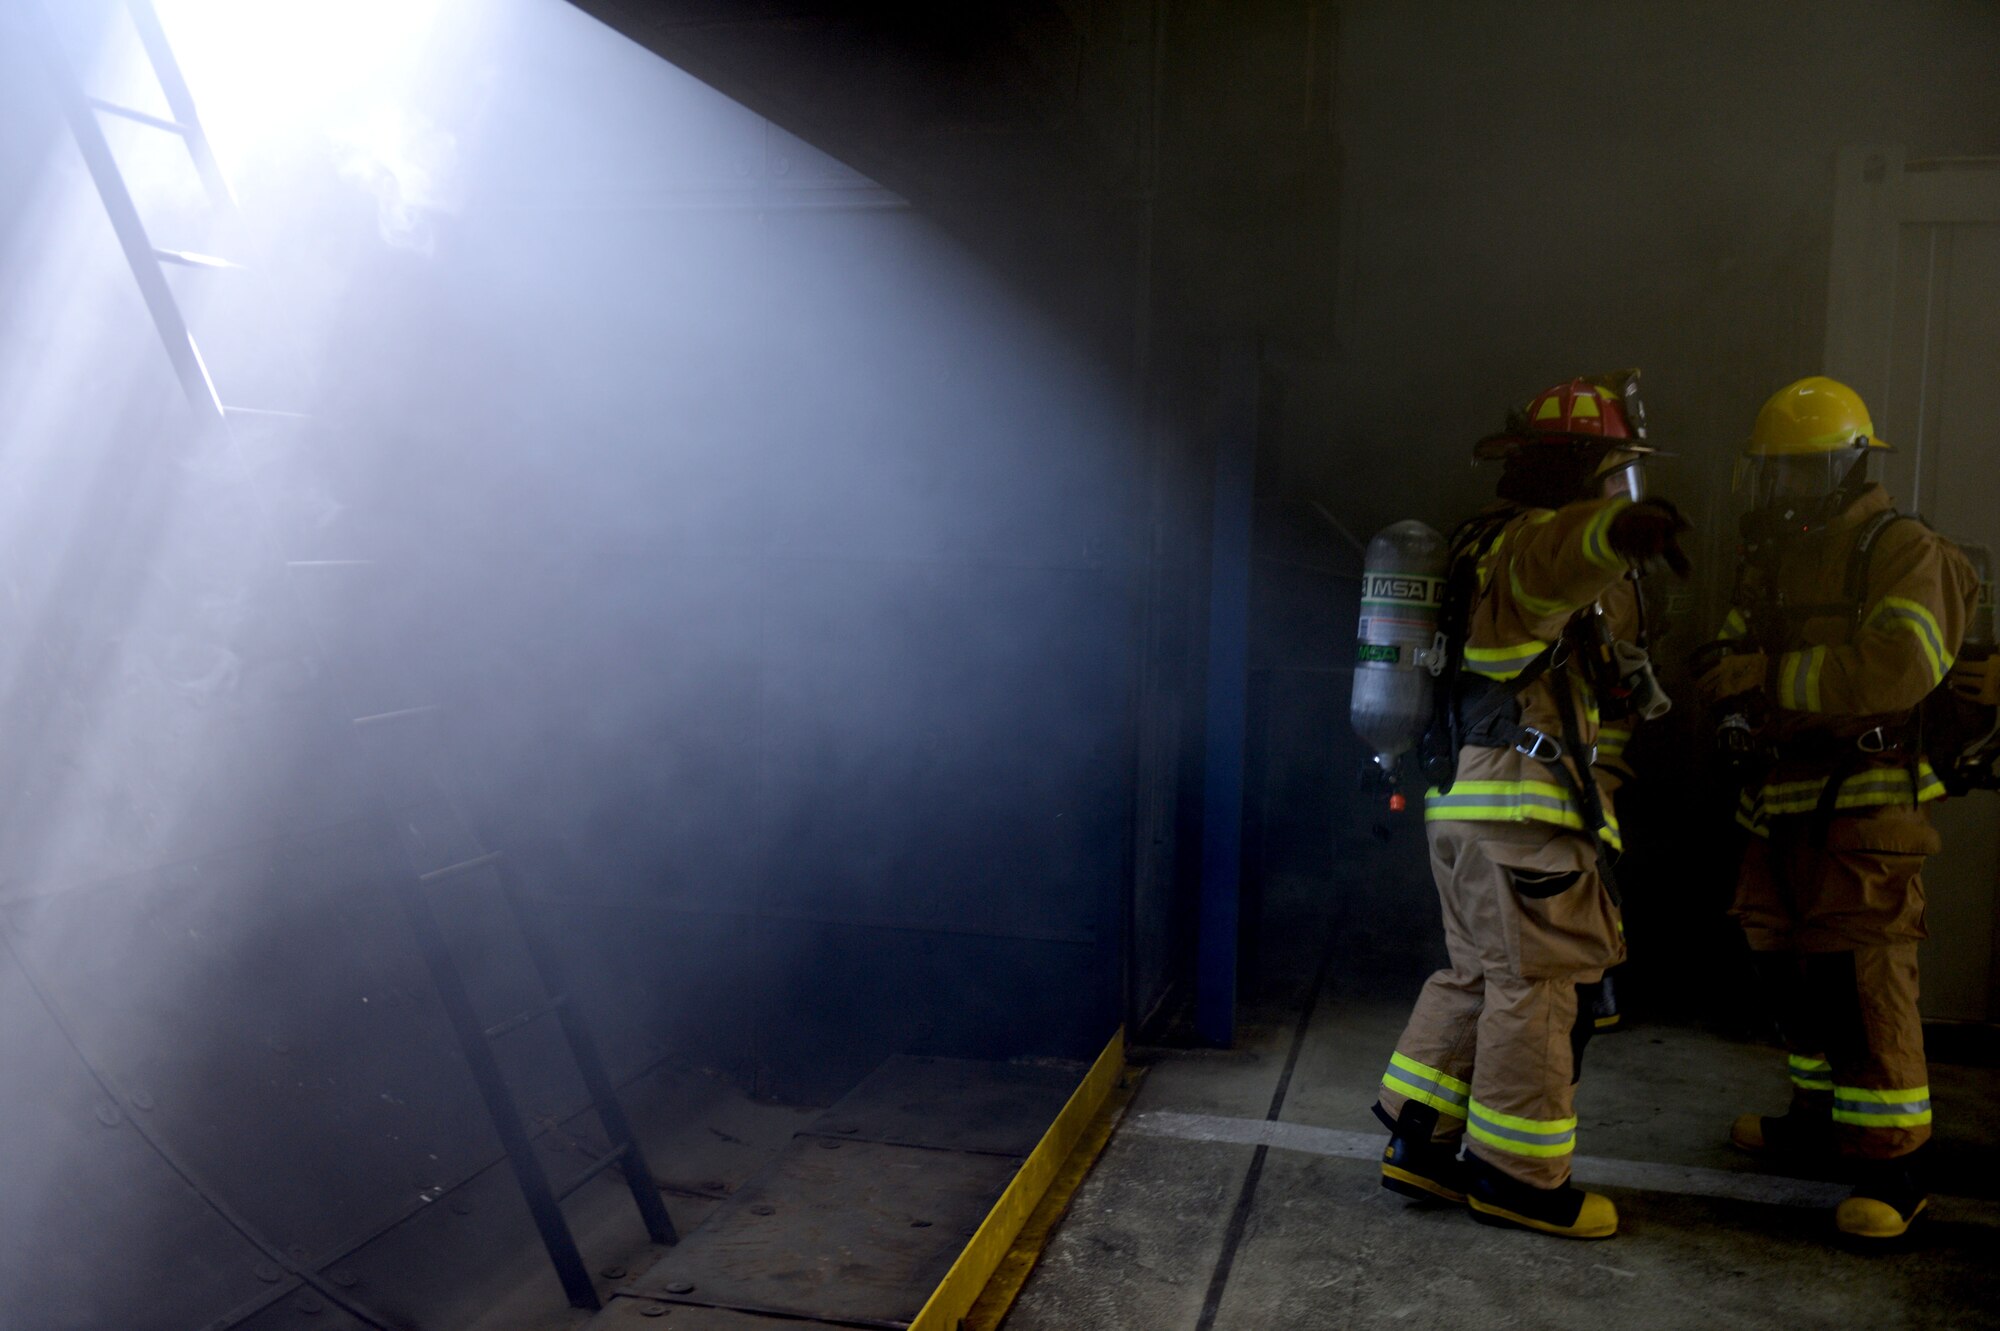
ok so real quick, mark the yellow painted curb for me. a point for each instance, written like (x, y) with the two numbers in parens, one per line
(990, 1310)
(990, 1243)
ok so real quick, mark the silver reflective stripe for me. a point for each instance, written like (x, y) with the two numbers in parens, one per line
(1396, 1076)
(1876, 1109)
(1486, 1124)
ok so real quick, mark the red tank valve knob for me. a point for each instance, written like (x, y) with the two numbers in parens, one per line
(1397, 803)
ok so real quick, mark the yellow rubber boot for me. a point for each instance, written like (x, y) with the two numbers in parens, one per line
(1888, 1198)
(1873, 1218)
(1567, 1212)
(1790, 1134)
(1417, 1166)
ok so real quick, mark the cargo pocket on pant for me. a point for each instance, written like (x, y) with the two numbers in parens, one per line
(1560, 921)
(1535, 884)
(1875, 892)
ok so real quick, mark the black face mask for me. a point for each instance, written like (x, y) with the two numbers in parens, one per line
(1550, 476)
(1763, 527)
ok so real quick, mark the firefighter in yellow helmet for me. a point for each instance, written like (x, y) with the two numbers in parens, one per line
(1844, 617)
(1519, 823)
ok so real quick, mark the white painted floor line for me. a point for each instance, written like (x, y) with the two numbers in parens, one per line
(1640, 1175)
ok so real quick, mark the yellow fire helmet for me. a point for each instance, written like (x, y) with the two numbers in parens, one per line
(1816, 415)
(1806, 458)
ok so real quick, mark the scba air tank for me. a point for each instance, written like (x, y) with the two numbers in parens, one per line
(1402, 590)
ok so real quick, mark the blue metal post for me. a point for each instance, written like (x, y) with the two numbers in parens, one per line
(1228, 685)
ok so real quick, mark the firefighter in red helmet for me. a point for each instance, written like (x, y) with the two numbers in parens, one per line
(1520, 824)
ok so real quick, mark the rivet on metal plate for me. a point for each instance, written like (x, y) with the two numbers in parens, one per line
(612, 1272)
(681, 1287)
(653, 1310)
(109, 1116)
(763, 1208)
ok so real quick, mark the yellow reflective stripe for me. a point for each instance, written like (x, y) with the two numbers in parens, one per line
(1426, 1085)
(1521, 1136)
(1798, 679)
(1446, 1080)
(1503, 662)
(1734, 625)
(1541, 607)
(1864, 790)
(1514, 802)
(1867, 1095)
(1866, 1108)
(1900, 612)
(1811, 1074)
(1596, 541)
(1611, 742)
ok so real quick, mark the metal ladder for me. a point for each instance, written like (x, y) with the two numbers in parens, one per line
(476, 1037)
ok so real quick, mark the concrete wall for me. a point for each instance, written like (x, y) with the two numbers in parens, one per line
(1534, 190)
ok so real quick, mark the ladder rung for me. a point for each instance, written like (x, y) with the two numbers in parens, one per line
(473, 865)
(266, 413)
(520, 1019)
(190, 259)
(134, 113)
(618, 1153)
(404, 714)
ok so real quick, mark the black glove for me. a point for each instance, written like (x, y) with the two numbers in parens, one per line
(1647, 534)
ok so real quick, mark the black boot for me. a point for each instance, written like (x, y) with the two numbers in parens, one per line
(1567, 1212)
(1416, 1166)
(1802, 1134)
(1888, 1197)
(1600, 1000)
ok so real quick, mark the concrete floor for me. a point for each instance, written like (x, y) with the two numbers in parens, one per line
(1707, 1241)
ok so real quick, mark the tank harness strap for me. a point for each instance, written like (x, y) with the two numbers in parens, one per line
(1852, 759)
(1583, 786)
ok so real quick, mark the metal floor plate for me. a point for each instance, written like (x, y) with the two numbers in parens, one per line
(849, 1231)
(954, 1104)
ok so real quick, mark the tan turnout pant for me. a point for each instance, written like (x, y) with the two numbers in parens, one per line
(1835, 913)
(1489, 1042)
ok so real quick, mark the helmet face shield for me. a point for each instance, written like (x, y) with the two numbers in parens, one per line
(1796, 480)
(1623, 476)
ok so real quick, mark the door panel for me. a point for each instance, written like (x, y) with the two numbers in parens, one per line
(1914, 324)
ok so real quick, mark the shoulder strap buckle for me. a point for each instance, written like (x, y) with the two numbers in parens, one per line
(1539, 745)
